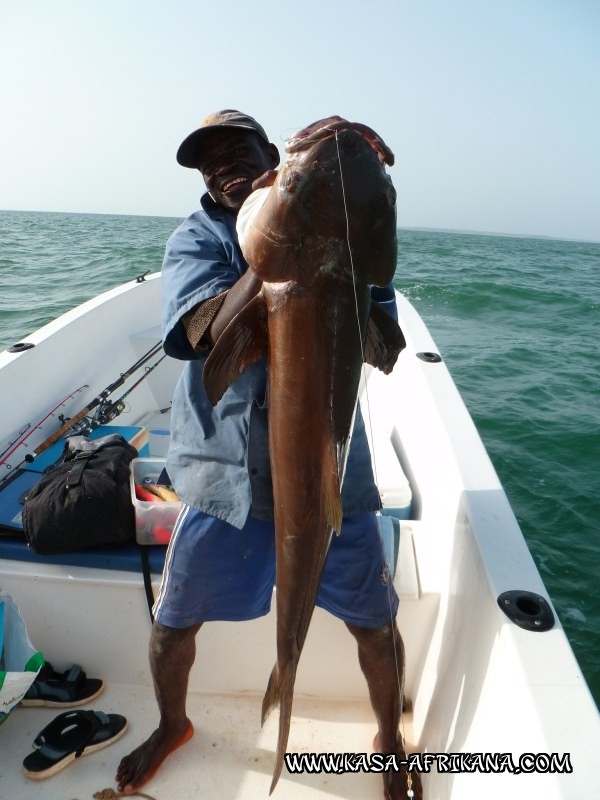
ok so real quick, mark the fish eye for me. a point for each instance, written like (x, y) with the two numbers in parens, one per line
(291, 181)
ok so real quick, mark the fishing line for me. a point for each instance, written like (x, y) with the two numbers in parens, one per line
(399, 678)
(363, 368)
(337, 144)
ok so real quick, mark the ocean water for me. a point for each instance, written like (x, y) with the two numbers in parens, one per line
(515, 318)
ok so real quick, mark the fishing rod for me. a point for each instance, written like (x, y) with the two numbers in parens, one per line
(30, 429)
(100, 398)
(108, 411)
(399, 662)
(16, 442)
(115, 409)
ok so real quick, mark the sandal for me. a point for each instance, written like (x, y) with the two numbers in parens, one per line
(69, 736)
(62, 689)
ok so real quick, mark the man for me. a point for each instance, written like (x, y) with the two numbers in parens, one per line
(219, 463)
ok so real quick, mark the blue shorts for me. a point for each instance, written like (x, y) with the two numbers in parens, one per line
(214, 571)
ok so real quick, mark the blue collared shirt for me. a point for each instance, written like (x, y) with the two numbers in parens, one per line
(218, 460)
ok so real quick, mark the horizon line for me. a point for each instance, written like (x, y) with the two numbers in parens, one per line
(416, 228)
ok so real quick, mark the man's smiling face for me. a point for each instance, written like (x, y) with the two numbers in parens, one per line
(230, 161)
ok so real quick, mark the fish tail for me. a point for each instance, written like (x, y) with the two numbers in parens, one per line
(280, 691)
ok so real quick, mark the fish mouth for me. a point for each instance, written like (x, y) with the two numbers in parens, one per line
(233, 184)
(330, 127)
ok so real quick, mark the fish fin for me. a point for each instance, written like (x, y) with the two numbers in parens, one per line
(271, 698)
(280, 691)
(330, 489)
(243, 342)
(384, 339)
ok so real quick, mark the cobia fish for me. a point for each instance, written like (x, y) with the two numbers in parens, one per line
(325, 231)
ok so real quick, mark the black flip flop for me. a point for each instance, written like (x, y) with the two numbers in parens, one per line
(69, 736)
(62, 689)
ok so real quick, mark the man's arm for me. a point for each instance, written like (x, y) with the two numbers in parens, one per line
(206, 322)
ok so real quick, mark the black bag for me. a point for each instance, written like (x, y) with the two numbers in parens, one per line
(85, 502)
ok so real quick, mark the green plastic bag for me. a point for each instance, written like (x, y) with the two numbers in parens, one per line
(20, 662)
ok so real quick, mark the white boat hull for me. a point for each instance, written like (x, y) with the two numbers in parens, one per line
(476, 682)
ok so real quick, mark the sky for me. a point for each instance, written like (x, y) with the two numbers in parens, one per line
(492, 107)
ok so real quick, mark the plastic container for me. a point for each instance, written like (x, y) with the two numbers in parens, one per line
(154, 521)
(396, 500)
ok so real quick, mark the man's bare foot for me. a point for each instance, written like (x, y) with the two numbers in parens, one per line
(141, 765)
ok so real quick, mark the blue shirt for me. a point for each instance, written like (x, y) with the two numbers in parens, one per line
(218, 460)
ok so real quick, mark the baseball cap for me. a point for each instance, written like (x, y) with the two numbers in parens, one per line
(191, 147)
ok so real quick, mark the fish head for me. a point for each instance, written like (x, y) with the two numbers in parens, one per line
(325, 128)
(332, 198)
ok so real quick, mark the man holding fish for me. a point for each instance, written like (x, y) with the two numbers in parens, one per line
(268, 451)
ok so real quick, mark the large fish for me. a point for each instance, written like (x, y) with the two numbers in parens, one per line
(325, 231)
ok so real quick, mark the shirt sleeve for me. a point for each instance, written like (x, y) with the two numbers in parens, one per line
(197, 321)
(386, 297)
(202, 261)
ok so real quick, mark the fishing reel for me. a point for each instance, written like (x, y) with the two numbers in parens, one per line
(109, 411)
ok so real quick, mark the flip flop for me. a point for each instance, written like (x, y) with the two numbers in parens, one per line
(69, 736)
(62, 689)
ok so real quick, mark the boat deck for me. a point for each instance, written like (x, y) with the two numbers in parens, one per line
(229, 756)
(478, 683)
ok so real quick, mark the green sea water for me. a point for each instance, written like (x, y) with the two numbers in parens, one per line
(515, 318)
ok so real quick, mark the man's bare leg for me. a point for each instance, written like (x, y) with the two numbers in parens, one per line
(172, 653)
(381, 657)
